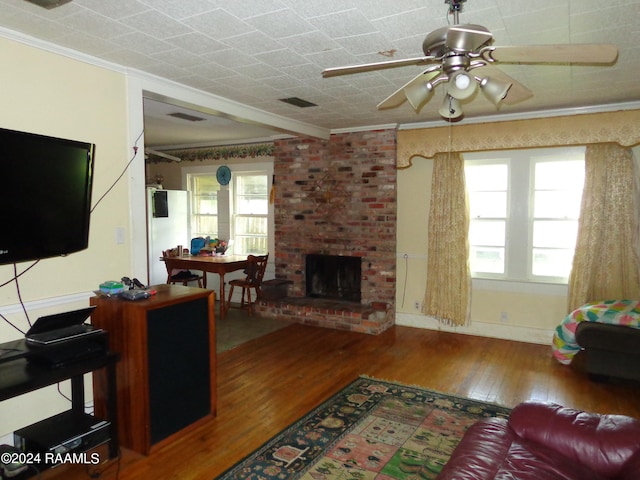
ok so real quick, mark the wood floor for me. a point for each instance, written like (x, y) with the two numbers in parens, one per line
(268, 383)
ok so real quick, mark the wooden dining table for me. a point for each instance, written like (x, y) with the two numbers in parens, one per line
(220, 264)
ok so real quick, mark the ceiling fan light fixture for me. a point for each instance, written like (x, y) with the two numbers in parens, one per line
(461, 85)
(450, 108)
(494, 90)
(49, 4)
(418, 94)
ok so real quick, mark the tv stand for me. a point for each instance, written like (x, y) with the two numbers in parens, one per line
(19, 375)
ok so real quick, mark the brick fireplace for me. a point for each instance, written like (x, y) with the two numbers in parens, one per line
(337, 198)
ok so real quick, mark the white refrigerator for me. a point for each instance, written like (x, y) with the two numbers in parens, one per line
(167, 227)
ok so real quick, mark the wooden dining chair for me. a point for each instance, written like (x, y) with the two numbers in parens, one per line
(256, 266)
(182, 276)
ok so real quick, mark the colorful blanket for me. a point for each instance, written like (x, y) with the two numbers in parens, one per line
(615, 312)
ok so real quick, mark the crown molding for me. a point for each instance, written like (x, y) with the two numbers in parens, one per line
(154, 87)
(60, 50)
(508, 117)
(365, 128)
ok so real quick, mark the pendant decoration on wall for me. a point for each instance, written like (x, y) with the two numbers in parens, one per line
(223, 175)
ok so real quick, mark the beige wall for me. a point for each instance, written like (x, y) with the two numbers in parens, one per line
(53, 95)
(519, 311)
(170, 171)
(414, 189)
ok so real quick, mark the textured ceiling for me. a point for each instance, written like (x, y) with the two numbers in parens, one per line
(256, 52)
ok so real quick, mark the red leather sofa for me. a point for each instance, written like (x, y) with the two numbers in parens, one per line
(544, 441)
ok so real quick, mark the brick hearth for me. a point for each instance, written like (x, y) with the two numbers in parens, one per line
(336, 197)
(317, 312)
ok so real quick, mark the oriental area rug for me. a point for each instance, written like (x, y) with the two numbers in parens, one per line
(372, 429)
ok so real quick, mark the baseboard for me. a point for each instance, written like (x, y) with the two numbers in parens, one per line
(46, 303)
(481, 329)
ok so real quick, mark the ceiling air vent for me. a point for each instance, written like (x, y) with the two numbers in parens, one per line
(298, 102)
(49, 4)
(186, 116)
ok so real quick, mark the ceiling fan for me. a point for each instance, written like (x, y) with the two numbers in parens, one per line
(462, 56)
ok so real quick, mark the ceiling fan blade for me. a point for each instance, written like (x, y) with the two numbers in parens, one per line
(586, 54)
(394, 100)
(370, 67)
(517, 93)
(398, 97)
(465, 38)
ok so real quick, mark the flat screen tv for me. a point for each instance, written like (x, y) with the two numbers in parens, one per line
(45, 196)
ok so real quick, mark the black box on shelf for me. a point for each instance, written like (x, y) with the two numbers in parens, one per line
(53, 439)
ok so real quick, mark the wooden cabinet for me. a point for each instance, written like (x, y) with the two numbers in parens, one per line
(166, 378)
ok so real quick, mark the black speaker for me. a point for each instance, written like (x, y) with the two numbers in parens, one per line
(179, 372)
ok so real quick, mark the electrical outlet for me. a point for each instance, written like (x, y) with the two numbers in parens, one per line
(416, 305)
(504, 317)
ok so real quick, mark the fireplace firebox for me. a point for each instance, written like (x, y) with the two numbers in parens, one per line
(333, 277)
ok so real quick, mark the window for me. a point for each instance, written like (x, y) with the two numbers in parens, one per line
(557, 194)
(524, 208)
(204, 204)
(250, 213)
(487, 184)
(238, 212)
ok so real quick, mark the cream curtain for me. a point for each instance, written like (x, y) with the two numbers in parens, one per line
(448, 290)
(605, 264)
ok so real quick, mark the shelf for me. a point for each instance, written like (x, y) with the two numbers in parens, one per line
(20, 375)
(21, 371)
